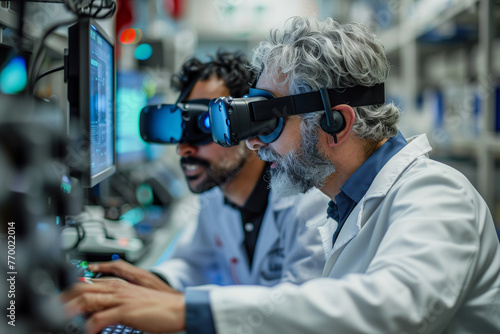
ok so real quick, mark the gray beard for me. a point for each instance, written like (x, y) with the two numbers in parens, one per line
(299, 170)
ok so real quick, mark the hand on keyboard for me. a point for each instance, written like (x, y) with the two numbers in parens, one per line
(110, 302)
(131, 274)
(120, 329)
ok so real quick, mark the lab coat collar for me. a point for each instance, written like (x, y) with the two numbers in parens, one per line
(359, 182)
(388, 175)
(417, 146)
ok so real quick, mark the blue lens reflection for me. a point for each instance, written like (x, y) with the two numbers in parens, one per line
(207, 121)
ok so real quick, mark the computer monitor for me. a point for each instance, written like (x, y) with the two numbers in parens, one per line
(131, 97)
(91, 95)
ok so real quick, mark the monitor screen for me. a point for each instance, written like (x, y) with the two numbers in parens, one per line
(131, 96)
(130, 99)
(101, 103)
(91, 95)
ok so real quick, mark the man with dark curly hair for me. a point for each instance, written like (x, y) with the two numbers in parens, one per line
(244, 233)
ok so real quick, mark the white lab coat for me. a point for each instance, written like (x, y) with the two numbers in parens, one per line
(288, 248)
(418, 254)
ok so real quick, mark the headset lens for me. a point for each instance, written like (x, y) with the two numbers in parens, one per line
(176, 123)
(161, 124)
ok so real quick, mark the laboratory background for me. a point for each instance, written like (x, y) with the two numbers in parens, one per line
(445, 77)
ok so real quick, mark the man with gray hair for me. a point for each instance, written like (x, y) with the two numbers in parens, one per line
(414, 250)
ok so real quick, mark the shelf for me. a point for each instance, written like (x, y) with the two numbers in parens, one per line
(460, 33)
(398, 36)
(466, 146)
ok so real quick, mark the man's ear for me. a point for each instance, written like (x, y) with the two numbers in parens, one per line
(349, 117)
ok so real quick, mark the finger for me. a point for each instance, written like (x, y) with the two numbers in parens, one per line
(92, 302)
(71, 309)
(105, 267)
(102, 319)
(72, 292)
(118, 268)
(100, 286)
(104, 285)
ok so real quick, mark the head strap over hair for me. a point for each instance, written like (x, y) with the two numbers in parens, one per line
(356, 96)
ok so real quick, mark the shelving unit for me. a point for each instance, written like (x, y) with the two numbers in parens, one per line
(409, 55)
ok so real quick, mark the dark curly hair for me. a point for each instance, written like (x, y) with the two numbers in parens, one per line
(232, 67)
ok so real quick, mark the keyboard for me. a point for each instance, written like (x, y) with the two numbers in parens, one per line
(120, 329)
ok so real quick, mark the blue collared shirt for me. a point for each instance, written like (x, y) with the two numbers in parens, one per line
(199, 318)
(357, 185)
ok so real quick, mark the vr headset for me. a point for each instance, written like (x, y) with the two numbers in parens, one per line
(261, 114)
(183, 122)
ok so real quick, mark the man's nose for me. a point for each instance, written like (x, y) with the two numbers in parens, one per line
(186, 149)
(255, 143)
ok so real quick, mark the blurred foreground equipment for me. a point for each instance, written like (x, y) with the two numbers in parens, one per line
(32, 146)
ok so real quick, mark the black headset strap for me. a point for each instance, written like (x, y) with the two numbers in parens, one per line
(186, 91)
(356, 96)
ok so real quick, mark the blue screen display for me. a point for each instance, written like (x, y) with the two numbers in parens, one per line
(131, 97)
(101, 103)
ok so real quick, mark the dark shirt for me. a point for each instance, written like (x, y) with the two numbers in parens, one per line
(199, 318)
(357, 185)
(252, 213)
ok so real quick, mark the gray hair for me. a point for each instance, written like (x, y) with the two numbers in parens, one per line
(311, 54)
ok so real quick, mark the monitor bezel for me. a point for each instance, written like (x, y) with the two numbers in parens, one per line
(79, 63)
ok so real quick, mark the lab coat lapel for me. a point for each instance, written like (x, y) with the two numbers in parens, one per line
(326, 231)
(269, 232)
(349, 230)
(385, 179)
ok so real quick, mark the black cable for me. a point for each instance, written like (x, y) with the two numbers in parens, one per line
(109, 14)
(98, 9)
(80, 235)
(80, 229)
(95, 220)
(76, 8)
(47, 73)
(37, 50)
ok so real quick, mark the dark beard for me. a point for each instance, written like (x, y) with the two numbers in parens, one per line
(214, 178)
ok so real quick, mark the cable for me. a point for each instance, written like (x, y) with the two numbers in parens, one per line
(47, 73)
(80, 235)
(80, 229)
(38, 49)
(75, 7)
(110, 13)
(96, 220)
